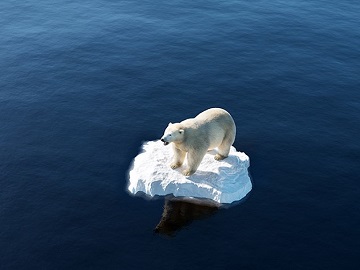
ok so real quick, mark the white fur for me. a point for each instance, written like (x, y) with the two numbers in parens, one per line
(193, 137)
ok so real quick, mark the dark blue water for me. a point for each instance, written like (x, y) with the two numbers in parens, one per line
(84, 83)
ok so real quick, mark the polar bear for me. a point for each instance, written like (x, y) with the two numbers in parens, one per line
(193, 137)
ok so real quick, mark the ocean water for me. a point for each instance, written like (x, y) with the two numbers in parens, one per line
(84, 83)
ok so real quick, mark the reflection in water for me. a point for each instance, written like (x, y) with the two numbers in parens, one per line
(179, 212)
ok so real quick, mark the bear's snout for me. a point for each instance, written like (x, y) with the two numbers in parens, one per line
(165, 142)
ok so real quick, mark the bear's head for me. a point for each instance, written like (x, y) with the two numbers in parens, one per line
(173, 133)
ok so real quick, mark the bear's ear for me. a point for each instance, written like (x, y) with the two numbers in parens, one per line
(169, 124)
(181, 131)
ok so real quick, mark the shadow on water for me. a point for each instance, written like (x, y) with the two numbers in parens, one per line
(180, 212)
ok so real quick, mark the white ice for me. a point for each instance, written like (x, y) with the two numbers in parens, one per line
(223, 181)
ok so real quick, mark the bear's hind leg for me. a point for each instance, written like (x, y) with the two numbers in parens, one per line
(224, 148)
(223, 152)
(194, 159)
(178, 159)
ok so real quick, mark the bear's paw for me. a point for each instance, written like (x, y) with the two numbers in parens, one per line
(175, 165)
(188, 172)
(219, 157)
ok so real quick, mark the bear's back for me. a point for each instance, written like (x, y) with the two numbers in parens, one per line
(215, 115)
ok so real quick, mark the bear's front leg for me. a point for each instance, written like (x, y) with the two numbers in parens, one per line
(194, 159)
(178, 159)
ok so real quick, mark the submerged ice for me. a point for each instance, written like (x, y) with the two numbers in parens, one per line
(223, 181)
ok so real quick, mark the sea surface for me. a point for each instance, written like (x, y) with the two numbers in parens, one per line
(84, 83)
